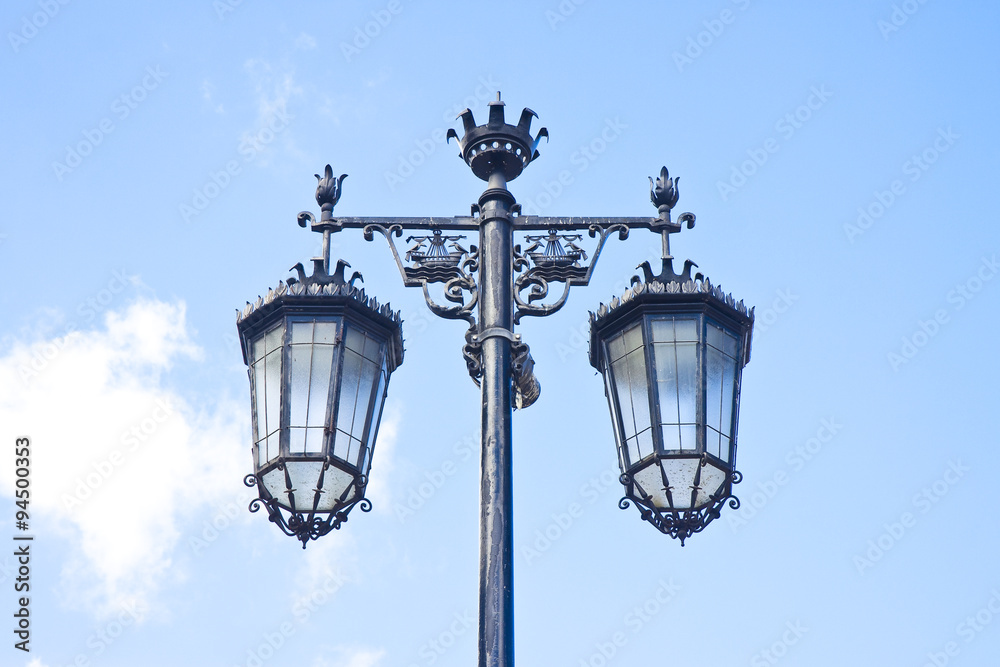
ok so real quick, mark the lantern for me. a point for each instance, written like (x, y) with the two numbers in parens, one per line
(672, 351)
(319, 354)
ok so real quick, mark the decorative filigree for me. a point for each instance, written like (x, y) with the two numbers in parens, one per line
(298, 289)
(432, 261)
(435, 253)
(681, 524)
(321, 277)
(454, 269)
(308, 525)
(697, 286)
(664, 194)
(472, 352)
(667, 274)
(553, 254)
(570, 273)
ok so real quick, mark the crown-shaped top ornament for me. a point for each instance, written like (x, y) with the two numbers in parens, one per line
(498, 145)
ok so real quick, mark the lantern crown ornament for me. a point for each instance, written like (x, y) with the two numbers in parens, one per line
(672, 349)
(498, 145)
(319, 353)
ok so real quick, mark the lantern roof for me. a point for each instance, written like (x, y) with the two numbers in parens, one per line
(310, 294)
(670, 288)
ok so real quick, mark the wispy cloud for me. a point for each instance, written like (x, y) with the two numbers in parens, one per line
(274, 89)
(274, 86)
(380, 486)
(117, 458)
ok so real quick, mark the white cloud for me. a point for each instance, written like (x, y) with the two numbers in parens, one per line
(380, 484)
(117, 458)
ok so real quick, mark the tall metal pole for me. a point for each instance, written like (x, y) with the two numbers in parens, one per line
(496, 323)
(496, 152)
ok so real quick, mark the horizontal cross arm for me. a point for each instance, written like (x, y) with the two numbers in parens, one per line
(457, 223)
(536, 222)
(523, 223)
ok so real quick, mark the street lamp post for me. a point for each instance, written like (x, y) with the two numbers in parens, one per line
(671, 350)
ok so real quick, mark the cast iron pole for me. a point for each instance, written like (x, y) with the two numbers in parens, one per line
(497, 152)
(496, 323)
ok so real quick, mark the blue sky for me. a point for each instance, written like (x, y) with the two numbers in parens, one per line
(841, 161)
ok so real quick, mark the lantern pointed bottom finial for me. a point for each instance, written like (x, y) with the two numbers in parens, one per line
(303, 526)
(683, 523)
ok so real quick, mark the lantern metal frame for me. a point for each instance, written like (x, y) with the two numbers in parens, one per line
(317, 298)
(640, 305)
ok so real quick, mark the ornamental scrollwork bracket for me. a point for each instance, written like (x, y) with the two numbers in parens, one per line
(558, 262)
(431, 261)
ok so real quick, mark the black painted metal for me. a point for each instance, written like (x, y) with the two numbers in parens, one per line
(498, 152)
(672, 293)
(320, 297)
(641, 303)
(520, 223)
(496, 570)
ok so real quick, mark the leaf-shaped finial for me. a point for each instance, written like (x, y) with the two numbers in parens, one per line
(664, 192)
(328, 188)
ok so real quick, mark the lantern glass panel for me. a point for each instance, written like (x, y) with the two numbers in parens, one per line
(650, 485)
(628, 371)
(313, 368)
(265, 375)
(720, 360)
(366, 458)
(363, 370)
(335, 482)
(669, 483)
(304, 476)
(274, 482)
(680, 475)
(675, 359)
(711, 479)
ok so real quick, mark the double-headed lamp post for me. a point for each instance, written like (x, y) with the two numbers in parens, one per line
(320, 353)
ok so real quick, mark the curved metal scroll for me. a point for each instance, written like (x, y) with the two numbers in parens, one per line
(307, 524)
(458, 279)
(680, 524)
(539, 276)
